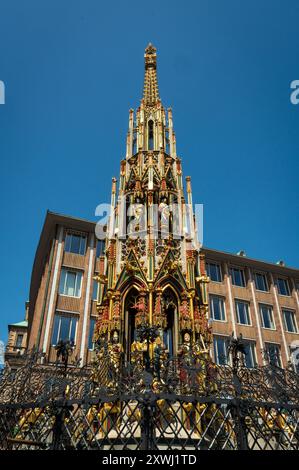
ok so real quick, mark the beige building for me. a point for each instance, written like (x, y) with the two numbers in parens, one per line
(257, 299)
(17, 340)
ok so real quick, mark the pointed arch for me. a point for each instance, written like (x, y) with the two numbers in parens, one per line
(170, 280)
(169, 285)
(130, 282)
(128, 330)
(171, 306)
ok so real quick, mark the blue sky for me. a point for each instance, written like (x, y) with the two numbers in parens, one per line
(72, 70)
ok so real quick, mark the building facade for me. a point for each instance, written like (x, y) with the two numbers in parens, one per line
(148, 268)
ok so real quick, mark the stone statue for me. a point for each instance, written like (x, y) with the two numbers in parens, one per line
(164, 213)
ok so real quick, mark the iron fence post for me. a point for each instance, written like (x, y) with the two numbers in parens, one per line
(236, 347)
(147, 425)
(57, 429)
(239, 415)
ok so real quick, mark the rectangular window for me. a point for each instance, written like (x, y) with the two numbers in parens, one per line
(70, 283)
(75, 243)
(250, 356)
(273, 354)
(238, 277)
(100, 248)
(217, 308)
(267, 316)
(91, 330)
(242, 312)
(289, 320)
(261, 282)
(220, 350)
(283, 286)
(64, 328)
(214, 272)
(19, 341)
(95, 290)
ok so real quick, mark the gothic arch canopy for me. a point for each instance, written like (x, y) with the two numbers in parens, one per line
(129, 283)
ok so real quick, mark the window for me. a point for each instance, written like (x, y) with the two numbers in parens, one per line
(283, 286)
(150, 135)
(261, 282)
(242, 311)
(250, 357)
(238, 278)
(19, 341)
(100, 248)
(289, 320)
(220, 350)
(70, 283)
(267, 317)
(273, 354)
(91, 330)
(214, 272)
(95, 290)
(75, 243)
(217, 308)
(64, 328)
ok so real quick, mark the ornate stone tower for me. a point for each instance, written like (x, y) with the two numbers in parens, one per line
(154, 273)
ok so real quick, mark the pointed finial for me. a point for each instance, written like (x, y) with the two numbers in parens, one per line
(150, 91)
(150, 56)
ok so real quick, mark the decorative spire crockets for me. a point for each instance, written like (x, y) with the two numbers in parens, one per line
(154, 272)
(150, 90)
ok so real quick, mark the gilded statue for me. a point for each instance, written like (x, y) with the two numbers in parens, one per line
(115, 351)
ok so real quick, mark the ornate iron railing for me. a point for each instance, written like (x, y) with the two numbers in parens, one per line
(184, 403)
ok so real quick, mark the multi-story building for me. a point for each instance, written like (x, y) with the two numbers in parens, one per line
(252, 297)
(17, 340)
(84, 288)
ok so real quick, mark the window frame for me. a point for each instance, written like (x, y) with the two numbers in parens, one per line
(253, 350)
(247, 303)
(293, 313)
(72, 270)
(208, 263)
(219, 297)
(16, 342)
(242, 270)
(103, 244)
(91, 319)
(272, 316)
(286, 281)
(266, 343)
(216, 356)
(65, 314)
(74, 234)
(98, 288)
(259, 273)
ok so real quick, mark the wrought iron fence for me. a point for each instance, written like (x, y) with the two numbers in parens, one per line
(184, 403)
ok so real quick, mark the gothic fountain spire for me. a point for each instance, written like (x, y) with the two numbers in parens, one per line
(154, 271)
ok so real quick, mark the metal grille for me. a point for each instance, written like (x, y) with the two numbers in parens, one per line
(186, 405)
